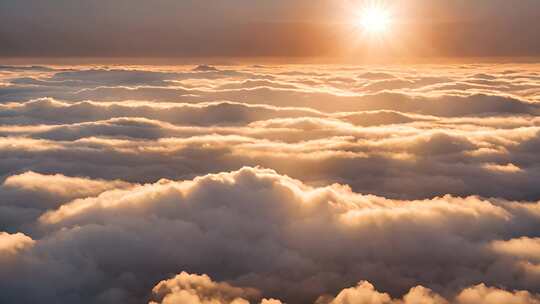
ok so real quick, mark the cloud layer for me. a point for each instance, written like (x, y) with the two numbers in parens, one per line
(149, 184)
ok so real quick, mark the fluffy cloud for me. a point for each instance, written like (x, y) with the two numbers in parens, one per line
(365, 293)
(199, 289)
(487, 295)
(527, 248)
(28, 195)
(188, 288)
(291, 241)
(59, 186)
(13, 243)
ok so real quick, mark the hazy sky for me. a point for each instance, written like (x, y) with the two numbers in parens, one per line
(188, 28)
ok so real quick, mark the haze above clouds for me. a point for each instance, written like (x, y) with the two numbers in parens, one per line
(278, 28)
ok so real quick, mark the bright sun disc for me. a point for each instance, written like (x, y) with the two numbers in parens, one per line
(375, 20)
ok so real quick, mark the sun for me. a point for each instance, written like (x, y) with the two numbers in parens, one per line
(375, 20)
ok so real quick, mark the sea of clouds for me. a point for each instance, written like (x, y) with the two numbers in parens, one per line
(413, 184)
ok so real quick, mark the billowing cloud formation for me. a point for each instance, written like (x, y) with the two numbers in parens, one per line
(59, 186)
(186, 288)
(365, 293)
(12, 243)
(422, 177)
(486, 295)
(26, 196)
(199, 289)
(257, 228)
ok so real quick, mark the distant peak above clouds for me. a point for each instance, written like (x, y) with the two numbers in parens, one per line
(205, 68)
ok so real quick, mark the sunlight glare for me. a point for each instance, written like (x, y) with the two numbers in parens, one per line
(375, 20)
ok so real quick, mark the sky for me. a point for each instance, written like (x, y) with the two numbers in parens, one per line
(240, 28)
